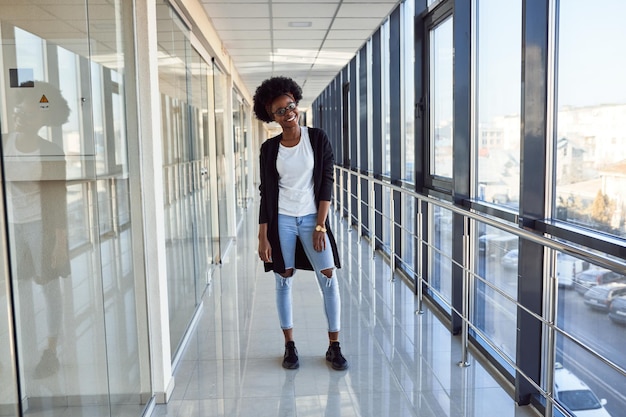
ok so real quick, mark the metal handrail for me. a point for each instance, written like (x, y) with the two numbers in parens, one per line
(548, 319)
(594, 258)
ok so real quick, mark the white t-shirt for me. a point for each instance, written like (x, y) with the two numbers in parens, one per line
(24, 197)
(295, 178)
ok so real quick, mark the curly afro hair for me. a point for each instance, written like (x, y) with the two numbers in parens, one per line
(270, 90)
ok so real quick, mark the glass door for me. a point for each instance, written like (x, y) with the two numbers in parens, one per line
(65, 130)
(220, 95)
(8, 376)
(240, 149)
(184, 77)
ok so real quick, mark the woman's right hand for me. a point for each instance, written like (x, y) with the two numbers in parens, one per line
(265, 250)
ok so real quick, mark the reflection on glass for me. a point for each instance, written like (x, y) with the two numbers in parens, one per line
(499, 45)
(591, 120)
(35, 171)
(201, 128)
(440, 255)
(179, 168)
(496, 269)
(441, 103)
(68, 206)
(220, 95)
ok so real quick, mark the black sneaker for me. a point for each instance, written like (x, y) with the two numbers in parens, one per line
(291, 356)
(48, 365)
(336, 359)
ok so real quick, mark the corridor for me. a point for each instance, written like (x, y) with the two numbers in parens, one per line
(401, 363)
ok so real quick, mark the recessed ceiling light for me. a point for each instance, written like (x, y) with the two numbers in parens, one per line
(300, 24)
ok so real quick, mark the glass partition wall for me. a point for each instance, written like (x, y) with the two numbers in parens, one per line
(184, 77)
(64, 116)
(241, 157)
(222, 155)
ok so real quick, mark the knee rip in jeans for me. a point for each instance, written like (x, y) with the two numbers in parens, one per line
(288, 273)
(327, 272)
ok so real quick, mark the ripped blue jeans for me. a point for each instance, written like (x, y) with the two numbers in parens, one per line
(289, 230)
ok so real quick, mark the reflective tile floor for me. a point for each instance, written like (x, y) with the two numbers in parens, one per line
(401, 363)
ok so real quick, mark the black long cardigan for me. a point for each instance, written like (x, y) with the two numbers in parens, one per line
(323, 187)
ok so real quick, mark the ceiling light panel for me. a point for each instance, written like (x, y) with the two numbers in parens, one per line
(316, 23)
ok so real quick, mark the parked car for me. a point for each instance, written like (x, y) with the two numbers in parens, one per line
(600, 296)
(567, 267)
(496, 245)
(617, 311)
(576, 396)
(509, 260)
(596, 276)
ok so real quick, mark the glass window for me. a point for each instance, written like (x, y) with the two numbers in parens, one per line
(495, 275)
(408, 144)
(591, 116)
(441, 103)
(356, 85)
(386, 131)
(384, 98)
(440, 256)
(591, 312)
(370, 133)
(408, 90)
(498, 89)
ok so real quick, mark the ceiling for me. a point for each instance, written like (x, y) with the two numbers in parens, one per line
(309, 41)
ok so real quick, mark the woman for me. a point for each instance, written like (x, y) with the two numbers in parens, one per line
(294, 232)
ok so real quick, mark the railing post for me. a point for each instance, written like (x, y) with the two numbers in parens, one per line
(549, 330)
(359, 210)
(341, 193)
(334, 191)
(372, 216)
(418, 261)
(466, 294)
(392, 235)
(349, 196)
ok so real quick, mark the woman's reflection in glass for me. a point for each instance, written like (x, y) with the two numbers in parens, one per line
(35, 171)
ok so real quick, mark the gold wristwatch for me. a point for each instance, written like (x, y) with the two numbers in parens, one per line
(320, 228)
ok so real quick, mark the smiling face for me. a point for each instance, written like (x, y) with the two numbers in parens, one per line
(285, 111)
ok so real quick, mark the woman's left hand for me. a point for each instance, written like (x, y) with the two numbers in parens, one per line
(319, 241)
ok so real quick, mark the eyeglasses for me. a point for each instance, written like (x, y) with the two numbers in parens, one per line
(283, 110)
